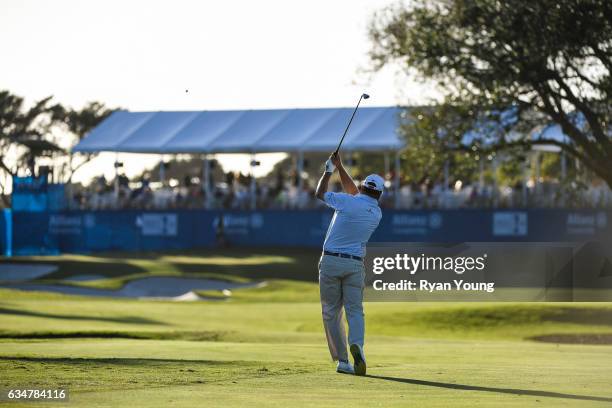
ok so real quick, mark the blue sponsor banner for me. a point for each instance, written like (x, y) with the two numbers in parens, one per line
(136, 230)
(6, 232)
(91, 231)
(30, 194)
(274, 227)
(36, 194)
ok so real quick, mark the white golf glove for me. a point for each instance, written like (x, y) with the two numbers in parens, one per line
(329, 166)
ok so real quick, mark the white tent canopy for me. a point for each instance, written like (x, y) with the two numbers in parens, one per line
(265, 131)
(250, 131)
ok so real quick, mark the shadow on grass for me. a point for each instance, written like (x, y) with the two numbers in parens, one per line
(590, 316)
(497, 316)
(107, 334)
(124, 319)
(112, 265)
(302, 268)
(513, 391)
(116, 361)
(575, 338)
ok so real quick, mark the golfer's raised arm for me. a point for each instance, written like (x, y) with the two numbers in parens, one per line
(324, 181)
(347, 182)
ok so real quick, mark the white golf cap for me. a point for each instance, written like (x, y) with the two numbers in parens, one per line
(374, 182)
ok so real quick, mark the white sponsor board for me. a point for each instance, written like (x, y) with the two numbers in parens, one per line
(585, 223)
(60, 224)
(156, 224)
(238, 224)
(416, 224)
(510, 224)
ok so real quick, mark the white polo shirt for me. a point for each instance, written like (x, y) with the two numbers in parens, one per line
(355, 219)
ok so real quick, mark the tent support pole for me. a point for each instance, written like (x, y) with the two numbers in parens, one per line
(68, 182)
(563, 165)
(253, 185)
(525, 180)
(299, 170)
(480, 174)
(162, 170)
(494, 192)
(563, 175)
(446, 175)
(387, 165)
(396, 184)
(446, 199)
(537, 172)
(349, 163)
(206, 181)
(116, 181)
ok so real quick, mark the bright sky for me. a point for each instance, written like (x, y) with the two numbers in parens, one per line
(229, 54)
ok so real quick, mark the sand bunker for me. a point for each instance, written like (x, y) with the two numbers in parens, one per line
(22, 272)
(150, 287)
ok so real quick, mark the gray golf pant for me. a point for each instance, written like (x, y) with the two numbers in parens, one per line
(341, 285)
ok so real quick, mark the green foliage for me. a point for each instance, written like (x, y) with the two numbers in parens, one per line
(80, 122)
(19, 124)
(506, 67)
(432, 136)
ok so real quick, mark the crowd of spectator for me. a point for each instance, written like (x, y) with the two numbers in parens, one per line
(474, 195)
(279, 194)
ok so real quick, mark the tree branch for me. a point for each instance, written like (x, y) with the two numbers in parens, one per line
(558, 115)
(541, 142)
(589, 114)
(74, 170)
(5, 168)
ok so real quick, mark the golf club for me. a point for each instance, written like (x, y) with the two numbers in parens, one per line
(363, 96)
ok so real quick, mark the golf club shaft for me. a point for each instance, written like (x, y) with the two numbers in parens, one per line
(349, 124)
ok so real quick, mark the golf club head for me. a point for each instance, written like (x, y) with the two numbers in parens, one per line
(365, 96)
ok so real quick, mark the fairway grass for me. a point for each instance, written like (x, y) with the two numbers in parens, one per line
(265, 346)
(119, 372)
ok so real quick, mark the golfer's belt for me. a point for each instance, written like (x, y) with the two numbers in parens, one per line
(340, 255)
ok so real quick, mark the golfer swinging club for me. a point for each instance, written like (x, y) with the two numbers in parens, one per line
(341, 269)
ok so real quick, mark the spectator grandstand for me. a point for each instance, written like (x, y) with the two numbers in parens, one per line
(298, 131)
(236, 195)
